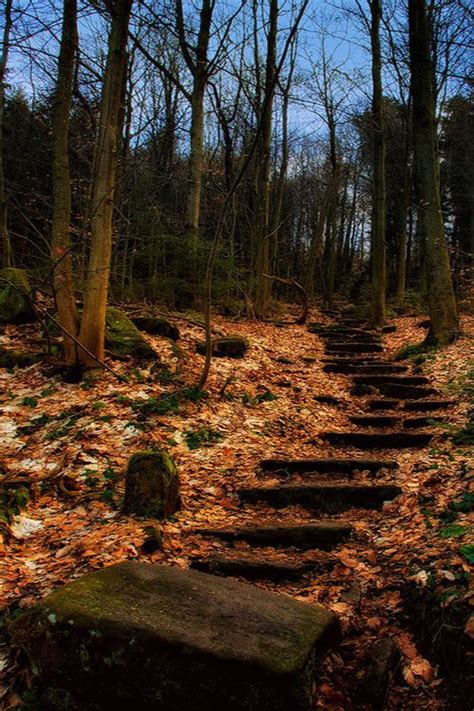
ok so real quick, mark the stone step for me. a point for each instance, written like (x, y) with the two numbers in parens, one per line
(346, 330)
(253, 567)
(375, 420)
(145, 636)
(324, 498)
(356, 361)
(366, 369)
(393, 421)
(325, 466)
(324, 535)
(428, 405)
(405, 392)
(347, 321)
(347, 338)
(379, 440)
(414, 422)
(353, 347)
(392, 379)
(383, 404)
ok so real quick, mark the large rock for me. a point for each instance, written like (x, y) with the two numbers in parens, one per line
(123, 338)
(225, 347)
(151, 485)
(152, 637)
(156, 326)
(14, 307)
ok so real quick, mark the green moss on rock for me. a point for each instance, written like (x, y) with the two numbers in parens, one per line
(123, 338)
(157, 637)
(151, 485)
(14, 307)
(225, 347)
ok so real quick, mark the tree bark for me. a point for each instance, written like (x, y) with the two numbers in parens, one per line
(442, 302)
(5, 244)
(199, 67)
(92, 332)
(61, 221)
(263, 286)
(378, 247)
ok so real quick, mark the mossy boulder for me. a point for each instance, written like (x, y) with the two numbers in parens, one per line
(123, 338)
(156, 326)
(151, 485)
(14, 307)
(145, 636)
(11, 358)
(225, 347)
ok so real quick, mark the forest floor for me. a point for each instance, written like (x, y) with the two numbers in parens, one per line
(72, 442)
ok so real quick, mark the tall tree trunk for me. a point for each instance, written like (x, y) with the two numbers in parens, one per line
(378, 247)
(5, 244)
(263, 285)
(196, 160)
(317, 243)
(92, 333)
(61, 221)
(198, 64)
(442, 302)
(331, 234)
(402, 238)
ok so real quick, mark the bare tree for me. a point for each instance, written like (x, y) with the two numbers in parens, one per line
(442, 303)
(61, 249)
(5, 245)
(92, 331)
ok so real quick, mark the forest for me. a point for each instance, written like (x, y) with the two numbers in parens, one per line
(236, 355)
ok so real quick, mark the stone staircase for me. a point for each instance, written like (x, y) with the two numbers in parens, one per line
(330, 496)
(323, 487)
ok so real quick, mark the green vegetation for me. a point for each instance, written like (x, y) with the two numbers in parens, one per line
(418, 353)
(12, 501)
(165, 405)
(468, 553)
(264, 396)
(463, 386)
(204, 437)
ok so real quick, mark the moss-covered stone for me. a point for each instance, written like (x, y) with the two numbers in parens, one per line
(151, 485)
(14, 307)
(156, 326)
(225, 347)
(11, 359)
(156, 637)
(123, 338)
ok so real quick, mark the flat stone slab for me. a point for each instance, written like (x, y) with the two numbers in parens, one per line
(405, 392)
(353, 347)
(414, 422)
(325, 466)
(428, 405)
(306, 536)
(253, 566)
(375, 420)
(356, 360)
(376, 379)
(364, 370)
(153, 637)
(379, 440)
(325, 498)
